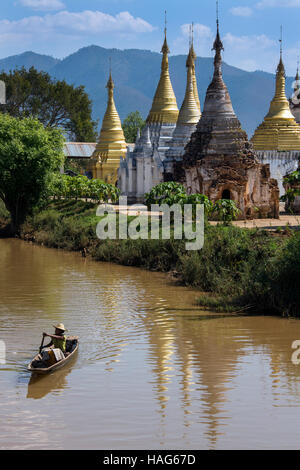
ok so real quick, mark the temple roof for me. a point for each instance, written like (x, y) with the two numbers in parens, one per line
(79, 149)
(164, 107)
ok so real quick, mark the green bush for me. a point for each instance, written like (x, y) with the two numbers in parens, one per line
(166, 193)
(225, 210)
(80, 187)
(174, 193)
(157, 255)
(284, 278)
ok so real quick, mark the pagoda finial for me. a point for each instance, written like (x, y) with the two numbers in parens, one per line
(110, 83)
(218, 48)
(218, 45)
(280, 40)
(192, 50)
(191, 59)
(297, 75)
(165, 48)
(280, 68)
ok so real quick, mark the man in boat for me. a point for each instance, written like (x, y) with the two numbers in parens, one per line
(58, 341)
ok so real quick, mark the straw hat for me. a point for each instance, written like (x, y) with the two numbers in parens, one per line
(60, 326)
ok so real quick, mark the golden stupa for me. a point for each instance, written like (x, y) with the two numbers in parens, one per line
(194, 57)
(279, 131)
(164, 107)
(111, 144)
(190, 113)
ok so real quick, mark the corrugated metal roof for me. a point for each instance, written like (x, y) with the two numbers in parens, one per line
(83, 149)
(79, 149)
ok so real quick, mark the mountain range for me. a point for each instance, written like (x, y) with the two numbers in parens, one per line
(136, 73)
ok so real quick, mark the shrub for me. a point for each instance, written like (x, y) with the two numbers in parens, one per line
(225, 210)
(166, 193)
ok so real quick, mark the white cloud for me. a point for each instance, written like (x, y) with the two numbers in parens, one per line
(43, 5)
(200, 31)
(241, 11)
(254, 42)
(203, 37)
(82, 23)
(242, 52)
(278, 3)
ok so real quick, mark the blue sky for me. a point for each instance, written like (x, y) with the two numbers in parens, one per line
(250, 28)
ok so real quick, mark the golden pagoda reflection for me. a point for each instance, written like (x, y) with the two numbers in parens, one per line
(111, 146)
(164, 107)
(279, 131)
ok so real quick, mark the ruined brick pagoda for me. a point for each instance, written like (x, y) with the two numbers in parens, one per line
(220, 162)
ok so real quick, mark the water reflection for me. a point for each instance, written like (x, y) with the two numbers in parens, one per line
(40, 385)
(152, 370)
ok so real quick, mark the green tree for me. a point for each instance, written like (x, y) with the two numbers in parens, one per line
(131, 124)
(292, 189)
(54, 103)
(29, 154)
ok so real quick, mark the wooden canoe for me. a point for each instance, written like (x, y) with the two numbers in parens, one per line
(71, 348)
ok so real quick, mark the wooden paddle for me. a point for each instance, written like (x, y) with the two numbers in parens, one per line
(42, 343)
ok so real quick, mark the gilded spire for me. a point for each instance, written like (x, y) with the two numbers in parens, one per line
(194, 57)
(164, 107)
(279, 131)
(280, 108)
(111, 144)
(189, 113)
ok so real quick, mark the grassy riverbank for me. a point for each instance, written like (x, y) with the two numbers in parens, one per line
(239, 269)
